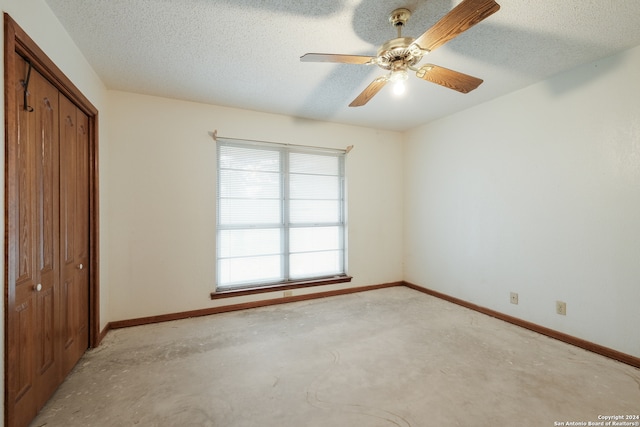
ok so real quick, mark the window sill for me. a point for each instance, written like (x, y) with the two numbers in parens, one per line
(279, 287)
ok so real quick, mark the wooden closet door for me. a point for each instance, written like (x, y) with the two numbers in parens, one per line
(51, 291)
(74, 233)
(33, 237)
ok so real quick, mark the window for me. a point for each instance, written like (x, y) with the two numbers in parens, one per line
(281, 214)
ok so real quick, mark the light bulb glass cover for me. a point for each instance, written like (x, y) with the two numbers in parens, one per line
(398, 78)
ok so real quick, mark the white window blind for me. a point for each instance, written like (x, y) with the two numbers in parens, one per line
(281, 214)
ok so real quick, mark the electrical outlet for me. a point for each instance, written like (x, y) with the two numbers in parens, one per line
(287, 293)
(514, 298)
(561, 308)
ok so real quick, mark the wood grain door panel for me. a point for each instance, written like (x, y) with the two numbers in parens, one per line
(22, 232)
(44, 100)
(82, 218)
(74, 232)
(67, 225)
(33, 305)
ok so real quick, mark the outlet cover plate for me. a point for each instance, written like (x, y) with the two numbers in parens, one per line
(514, 298)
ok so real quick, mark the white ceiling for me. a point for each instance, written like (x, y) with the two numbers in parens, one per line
(245, 53)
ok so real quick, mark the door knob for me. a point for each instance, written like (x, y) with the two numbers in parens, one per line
(80, 267)
(38, 287)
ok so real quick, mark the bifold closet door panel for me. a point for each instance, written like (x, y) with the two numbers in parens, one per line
(33, 242)
(47, 242)
(74, 233)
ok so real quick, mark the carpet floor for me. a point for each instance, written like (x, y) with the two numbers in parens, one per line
(389, 357)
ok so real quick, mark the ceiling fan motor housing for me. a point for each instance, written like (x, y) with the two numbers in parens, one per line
(399, 53)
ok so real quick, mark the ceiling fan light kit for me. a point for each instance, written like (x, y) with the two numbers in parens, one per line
(405, 53)
(398, 78)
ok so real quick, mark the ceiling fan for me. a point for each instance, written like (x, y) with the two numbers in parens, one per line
(404, 53)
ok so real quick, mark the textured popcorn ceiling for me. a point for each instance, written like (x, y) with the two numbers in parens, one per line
(245, 53)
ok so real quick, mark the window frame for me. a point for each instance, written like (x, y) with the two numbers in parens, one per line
(284, 224)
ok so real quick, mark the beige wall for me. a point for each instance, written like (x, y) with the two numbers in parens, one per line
(162, 199)
(537, 192)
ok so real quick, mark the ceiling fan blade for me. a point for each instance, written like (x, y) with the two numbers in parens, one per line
(369, 92)
(459, 19)
(331, 57)
(448, 78)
